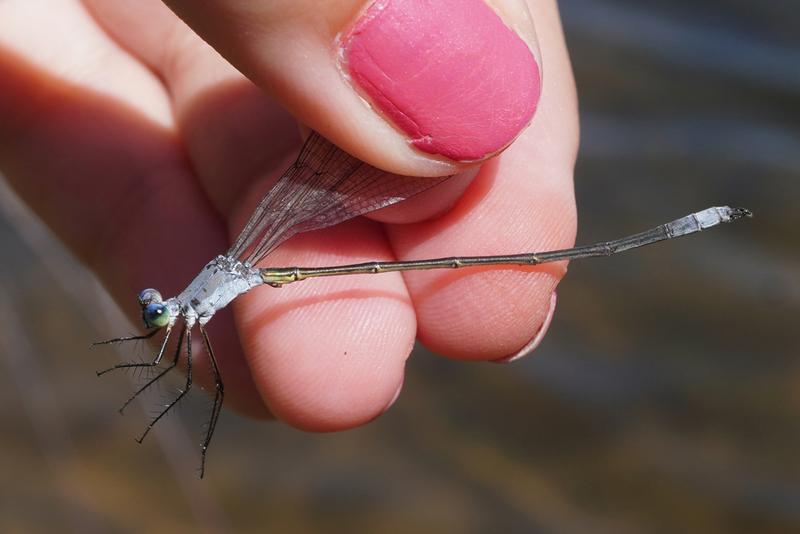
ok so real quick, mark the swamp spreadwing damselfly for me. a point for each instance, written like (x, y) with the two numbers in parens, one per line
(323, 187)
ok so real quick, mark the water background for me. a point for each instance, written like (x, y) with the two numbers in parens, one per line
(666, 397)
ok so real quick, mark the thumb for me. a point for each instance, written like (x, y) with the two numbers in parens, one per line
(416, 87)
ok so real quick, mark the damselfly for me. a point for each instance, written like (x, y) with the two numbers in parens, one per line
(326, 186)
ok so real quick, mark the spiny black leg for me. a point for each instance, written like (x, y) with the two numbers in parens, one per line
(127, 338)
(166, 370)
(182, 392)
(155, 362)
(219, 396)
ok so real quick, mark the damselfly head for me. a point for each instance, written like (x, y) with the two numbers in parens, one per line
(154, 313)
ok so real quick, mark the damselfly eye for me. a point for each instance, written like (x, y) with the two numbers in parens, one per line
(149, 295)
(155, 315)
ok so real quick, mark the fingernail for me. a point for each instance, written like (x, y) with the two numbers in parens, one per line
(537, 339)
(449, 73)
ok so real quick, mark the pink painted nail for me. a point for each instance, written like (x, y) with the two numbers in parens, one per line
(448, 73)
(537, 339)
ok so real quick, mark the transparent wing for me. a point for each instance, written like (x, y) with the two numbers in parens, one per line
(323, 187)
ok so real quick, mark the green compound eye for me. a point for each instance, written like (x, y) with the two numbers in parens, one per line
(155, 315)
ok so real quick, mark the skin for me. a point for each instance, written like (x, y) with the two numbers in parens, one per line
(145, 151)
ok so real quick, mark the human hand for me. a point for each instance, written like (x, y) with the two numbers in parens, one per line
(145, 151)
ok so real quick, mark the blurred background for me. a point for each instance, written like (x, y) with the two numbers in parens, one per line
(666, 397)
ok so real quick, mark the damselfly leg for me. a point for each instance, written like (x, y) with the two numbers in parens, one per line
(160, 375)
(181, 393)
(130, 365)
(219, 396)
(184, 338)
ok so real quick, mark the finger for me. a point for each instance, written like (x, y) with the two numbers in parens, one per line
(88, 140)
(231, 130)
(521, 202)
(331, 362)
(432, 74)
(103, 121)
(329, 354)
